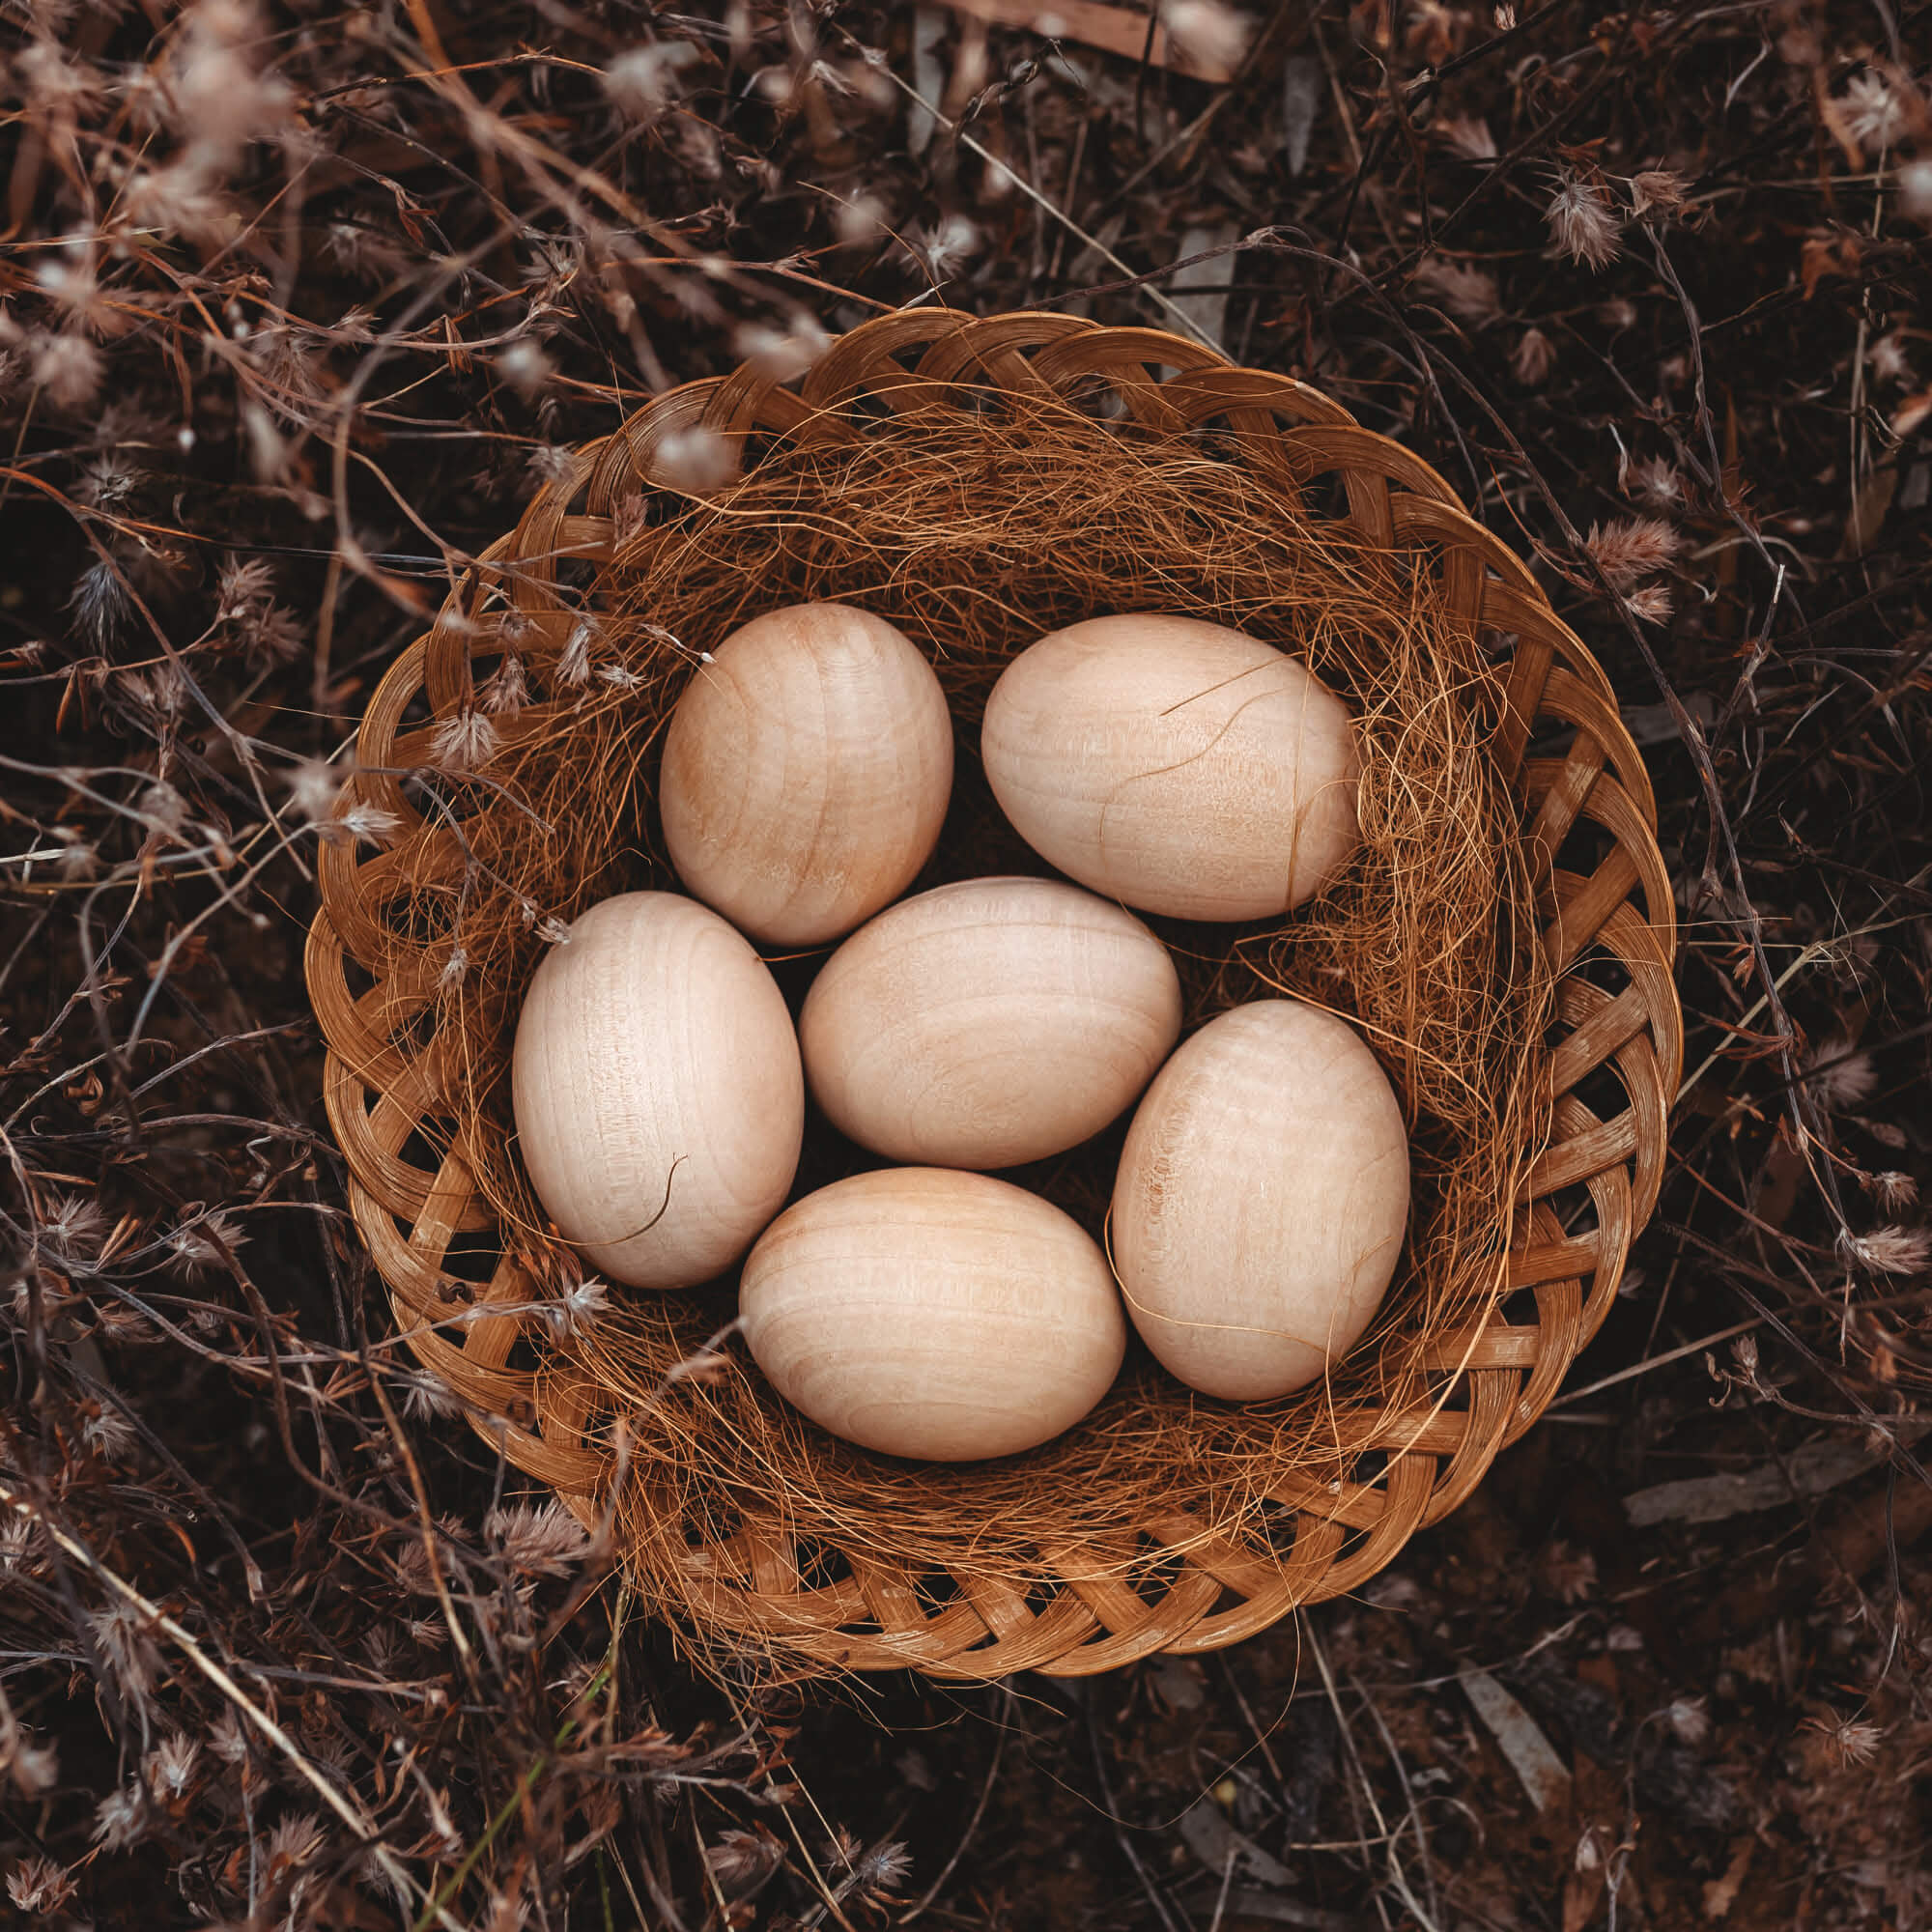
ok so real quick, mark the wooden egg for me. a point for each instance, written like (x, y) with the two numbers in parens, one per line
(1174, 765)
(928, 1313)
(659, 1098)
(807, 772)
(1261, 1201)
(987, 1023)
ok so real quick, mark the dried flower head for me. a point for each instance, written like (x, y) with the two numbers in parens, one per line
(572, 666)
(34, 1768)
(70, 284)
(1689, 1719)
(1874, 113)
(294, 1841)
(464, 741)
(1915, 190)
(1661, 190)
(1655, 482)
(38, 1885)
(1652, 604)
(74, 1228)
(226, 1737)
(363, 825)
(122, 1634)
(120, 1818)
(1848, 1740)
(54, 81)
(779, 355)
(314, 785)
(170, 1767)
(525, 367)
(741, 1862)
(1466, 135)
(429, 1397)
(549, 462)
(861, 218)
(507, 690)
(644, 81)
(1211, 37)
(178, 199)
(17, 1536)
(79, 857)
(578, 1309)
(1893, 1250)
(1837, 1076)
(108, 1434)
(100, 604)
(68, 370)
(1464, 291)
(540, 1539)
(206, 1242)
(1533, 357)
(221, 98)
(1888, 358)
(881, 1869)
(693, 461)
(1631, 548)
(109, 482)
(1893, 1192)
(1582, 223)
(953, 244)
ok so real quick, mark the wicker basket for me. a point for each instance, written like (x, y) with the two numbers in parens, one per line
(384, 1084)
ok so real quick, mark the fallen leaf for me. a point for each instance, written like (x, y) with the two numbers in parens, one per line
(1205, 1831)
(1544, 1776)
(1809, 1472)
(1722, 1893)
(1300, 108)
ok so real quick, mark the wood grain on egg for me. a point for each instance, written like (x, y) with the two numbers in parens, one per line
(1261, 1201)
(659, 1098)
(928, 1313)
(989, 1022)
(807, 772)
(1176, 766)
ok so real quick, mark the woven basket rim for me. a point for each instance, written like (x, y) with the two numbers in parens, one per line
(378, 1091)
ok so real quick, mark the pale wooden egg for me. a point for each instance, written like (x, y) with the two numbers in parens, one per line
(928, 1313)
(659, 1098)
(989, 1022)
(1176, 766)
(1261, 1200)
(807, 772)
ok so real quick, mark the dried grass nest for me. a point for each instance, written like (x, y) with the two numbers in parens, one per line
(530, 796)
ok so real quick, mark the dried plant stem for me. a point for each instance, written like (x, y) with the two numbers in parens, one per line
(345, 1808)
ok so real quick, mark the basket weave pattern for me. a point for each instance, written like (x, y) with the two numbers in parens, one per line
(1589, 832)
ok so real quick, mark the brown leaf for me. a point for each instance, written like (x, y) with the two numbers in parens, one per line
(1722, 1893)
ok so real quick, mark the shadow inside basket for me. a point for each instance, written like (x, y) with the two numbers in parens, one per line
(523, 788)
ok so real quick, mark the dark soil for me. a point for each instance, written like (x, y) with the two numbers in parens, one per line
(298, 306)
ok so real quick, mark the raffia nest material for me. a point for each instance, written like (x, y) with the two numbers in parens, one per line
(1503, 940)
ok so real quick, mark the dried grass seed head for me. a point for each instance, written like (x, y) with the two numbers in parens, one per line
(1467, 136)
(644, 81)
(1630, 548)
(1583, 226)
(38, 1885)
(67, 369)
(1874, 112)
(1466, 292)
(1533, 357)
